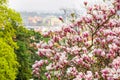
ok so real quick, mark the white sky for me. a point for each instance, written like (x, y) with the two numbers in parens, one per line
(47, 5)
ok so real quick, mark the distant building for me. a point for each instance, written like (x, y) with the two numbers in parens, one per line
(52, 21)
(40, 19)
(35, 20)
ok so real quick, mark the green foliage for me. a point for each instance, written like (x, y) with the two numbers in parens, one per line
(3, 2)
(23, 53)
(8, 63)
(12, 32)
(7, 31)
(26, 51)
(15, 42)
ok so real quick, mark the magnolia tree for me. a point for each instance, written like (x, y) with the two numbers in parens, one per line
(88, 49)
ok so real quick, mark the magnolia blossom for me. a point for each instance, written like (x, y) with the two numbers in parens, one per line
(87, 49)
(114, 72)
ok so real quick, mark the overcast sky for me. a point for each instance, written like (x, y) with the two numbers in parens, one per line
(47, 5)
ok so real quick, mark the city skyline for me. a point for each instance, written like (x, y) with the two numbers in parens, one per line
(48, 5)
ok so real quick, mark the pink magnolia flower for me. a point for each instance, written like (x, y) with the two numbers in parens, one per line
(72, 71)
(61, 18)
(89, 75)
(85, 3)
(116, 63)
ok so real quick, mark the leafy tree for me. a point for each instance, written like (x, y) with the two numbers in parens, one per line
(26, 52)
(23, 53)
(17, 40)
(8, 61)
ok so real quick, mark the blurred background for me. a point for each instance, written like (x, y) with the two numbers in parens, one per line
(44, 14)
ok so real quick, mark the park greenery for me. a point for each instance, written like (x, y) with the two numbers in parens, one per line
(17, 50)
